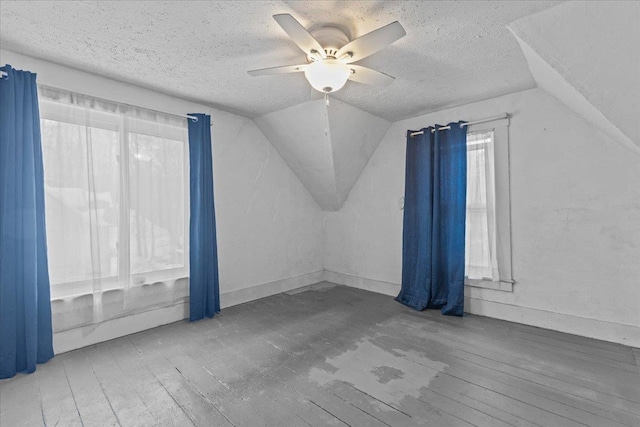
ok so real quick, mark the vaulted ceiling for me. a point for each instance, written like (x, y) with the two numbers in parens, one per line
(326, 146)
(454, 53)
(587, 55)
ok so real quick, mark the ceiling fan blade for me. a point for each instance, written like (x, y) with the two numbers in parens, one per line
(371, 42)
(368, 76)
(300, 35)
(278, 70)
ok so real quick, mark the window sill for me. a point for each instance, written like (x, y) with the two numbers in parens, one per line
(84, 292)
(487, 284)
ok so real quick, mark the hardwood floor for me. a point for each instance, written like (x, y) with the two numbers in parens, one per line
(333, 355)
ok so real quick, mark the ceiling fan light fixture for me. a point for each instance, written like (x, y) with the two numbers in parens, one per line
(328, 75)
(331, 55)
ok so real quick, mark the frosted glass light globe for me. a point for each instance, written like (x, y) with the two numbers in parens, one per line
(328, 75)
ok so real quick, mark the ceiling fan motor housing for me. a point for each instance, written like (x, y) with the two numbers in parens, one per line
(331, 39)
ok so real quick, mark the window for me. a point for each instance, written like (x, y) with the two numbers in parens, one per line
(479, 257)
(488, 226)
(116, 194)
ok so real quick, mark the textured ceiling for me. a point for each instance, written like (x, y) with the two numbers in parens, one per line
(454, 52)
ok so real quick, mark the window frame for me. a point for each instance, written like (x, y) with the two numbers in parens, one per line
(476, 208)
(119, 122)
(500, 129)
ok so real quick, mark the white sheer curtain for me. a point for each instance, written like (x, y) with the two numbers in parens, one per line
(481, 261)
(116, 197)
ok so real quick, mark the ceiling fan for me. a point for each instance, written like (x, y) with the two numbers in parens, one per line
(331, 55)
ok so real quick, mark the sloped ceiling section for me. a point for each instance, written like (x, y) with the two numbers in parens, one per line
(327, 147)
(587, 55)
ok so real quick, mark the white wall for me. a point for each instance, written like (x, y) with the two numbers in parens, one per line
(575, 216)
(575, 221)
(269, 227)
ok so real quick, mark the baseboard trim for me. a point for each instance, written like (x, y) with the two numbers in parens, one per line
(240, 296)
(380, 287)
(72, 339)
(83, 336)
(591, 328)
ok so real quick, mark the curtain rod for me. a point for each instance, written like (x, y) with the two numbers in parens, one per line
(186, 116)
(490, 119)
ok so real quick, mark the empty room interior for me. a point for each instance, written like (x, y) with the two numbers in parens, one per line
(309, 213)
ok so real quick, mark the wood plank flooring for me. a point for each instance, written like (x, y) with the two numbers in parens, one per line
(332, 355)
